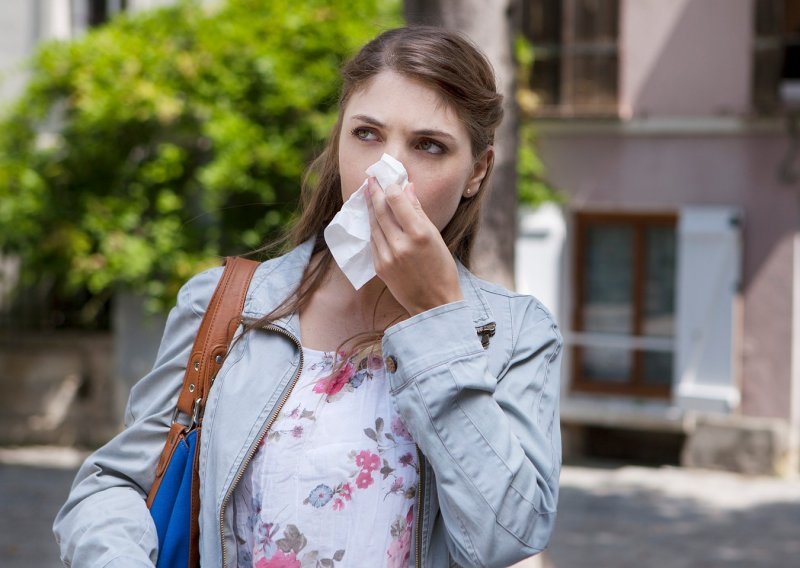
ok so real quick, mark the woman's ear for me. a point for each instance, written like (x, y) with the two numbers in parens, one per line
(479, 172)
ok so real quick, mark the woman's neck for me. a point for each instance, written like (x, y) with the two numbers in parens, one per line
(336, 312)
(372, 299)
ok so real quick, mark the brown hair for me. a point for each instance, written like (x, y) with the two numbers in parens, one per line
(452, 66)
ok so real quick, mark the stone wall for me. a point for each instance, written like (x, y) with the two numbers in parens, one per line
(57, 388)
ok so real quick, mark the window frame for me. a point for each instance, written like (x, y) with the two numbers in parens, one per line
(765, 83)
(635, 343)
(564, 51)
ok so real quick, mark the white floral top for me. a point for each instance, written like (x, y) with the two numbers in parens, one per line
(334, 482)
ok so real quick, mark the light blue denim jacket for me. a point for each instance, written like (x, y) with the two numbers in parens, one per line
(485, 419)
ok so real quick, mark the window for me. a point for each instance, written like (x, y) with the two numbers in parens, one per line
(776, 51)
(625, 304)
(101, 10)
(92, 13)
(576, 57)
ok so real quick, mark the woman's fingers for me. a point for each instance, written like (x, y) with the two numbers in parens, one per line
(379, 243)
(405, 207)
(384, 215)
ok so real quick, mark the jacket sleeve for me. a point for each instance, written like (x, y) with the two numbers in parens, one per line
(105, 521)
(493, 442)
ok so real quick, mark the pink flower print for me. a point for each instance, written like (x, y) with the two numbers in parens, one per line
(406, 459)
(297, 431)
(397, 485)
(374, 362)
(334, 383)
(399, 428)
(338, 504)
(368, 461)
(364, 480)
(399, 550)
(280, 560)
(346, 491)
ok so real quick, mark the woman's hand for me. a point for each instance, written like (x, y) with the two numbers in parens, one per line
(410, 255)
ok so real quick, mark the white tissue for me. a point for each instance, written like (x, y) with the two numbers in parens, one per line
(348, 234)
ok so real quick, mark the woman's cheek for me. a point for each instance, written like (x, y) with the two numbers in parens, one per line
(439, 203)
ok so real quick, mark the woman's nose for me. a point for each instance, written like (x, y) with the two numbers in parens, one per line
(398, 152)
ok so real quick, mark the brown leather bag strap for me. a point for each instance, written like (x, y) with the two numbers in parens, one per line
(210, 346)
(216, 331)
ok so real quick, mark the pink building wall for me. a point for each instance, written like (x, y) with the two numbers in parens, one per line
(685, 57)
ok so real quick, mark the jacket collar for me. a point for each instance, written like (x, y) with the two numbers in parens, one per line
(275, 279)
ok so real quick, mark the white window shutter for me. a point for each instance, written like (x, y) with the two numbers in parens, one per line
(539, 252)
(709, 268)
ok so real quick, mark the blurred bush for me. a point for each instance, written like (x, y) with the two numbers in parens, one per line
(141, 152)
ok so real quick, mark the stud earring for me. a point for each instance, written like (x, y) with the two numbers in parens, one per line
(469, 191)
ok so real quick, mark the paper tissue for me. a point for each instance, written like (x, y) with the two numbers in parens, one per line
(348, 234)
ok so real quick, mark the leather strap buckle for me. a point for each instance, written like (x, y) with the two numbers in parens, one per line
(193, 419)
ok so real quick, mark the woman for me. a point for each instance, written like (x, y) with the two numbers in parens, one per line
(411, 422)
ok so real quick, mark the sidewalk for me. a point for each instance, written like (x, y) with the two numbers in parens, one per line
(609, 516)
(621, 517)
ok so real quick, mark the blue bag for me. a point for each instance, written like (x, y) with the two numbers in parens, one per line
(172, 505)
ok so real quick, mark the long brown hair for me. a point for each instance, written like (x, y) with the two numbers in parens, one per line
(462, 76)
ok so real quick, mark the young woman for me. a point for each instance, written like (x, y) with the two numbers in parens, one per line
(411, 422)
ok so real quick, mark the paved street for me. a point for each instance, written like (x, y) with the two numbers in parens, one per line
(621, 517)
(609, 516)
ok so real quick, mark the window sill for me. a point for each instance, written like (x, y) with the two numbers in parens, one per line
(639, 414)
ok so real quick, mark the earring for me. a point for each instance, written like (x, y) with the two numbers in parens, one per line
(469, 191)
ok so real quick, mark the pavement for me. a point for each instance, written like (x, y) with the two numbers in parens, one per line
(610, 515)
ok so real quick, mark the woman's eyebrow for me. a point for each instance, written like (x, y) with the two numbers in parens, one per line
(422, 132)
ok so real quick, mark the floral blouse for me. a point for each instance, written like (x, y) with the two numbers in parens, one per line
(334, 482)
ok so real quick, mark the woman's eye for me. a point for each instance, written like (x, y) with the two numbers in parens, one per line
(364, 134)
(431, 147)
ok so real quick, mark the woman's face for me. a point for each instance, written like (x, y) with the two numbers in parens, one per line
(407, 120)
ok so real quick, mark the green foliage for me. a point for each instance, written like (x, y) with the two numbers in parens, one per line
(143, 150)
(532, 185)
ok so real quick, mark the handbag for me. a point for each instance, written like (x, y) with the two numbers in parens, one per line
(174, 498)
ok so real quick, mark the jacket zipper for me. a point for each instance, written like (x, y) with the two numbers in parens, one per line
(262, 434)
(420, 505)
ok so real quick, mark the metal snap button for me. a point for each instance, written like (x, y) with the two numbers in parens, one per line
(391, 363)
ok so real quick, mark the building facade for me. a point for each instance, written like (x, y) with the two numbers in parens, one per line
(674, 265)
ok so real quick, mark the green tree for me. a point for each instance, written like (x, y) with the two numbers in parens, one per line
(141, 152)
